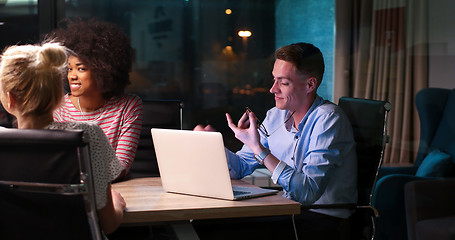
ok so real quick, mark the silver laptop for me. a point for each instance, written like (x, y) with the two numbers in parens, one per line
(194, 163)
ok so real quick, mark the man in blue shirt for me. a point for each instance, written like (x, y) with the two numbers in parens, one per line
(306, 142)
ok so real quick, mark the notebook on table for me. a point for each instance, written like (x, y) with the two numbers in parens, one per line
(194, 163)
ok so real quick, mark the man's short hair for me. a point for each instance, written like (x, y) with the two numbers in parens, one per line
(305, 57)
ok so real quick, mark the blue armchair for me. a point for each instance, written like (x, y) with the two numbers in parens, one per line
(436, 108)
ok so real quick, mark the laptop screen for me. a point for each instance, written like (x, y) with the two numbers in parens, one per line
(192, 162)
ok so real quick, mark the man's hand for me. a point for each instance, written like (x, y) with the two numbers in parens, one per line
(246, 131)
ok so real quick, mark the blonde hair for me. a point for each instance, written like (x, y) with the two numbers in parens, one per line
(34, 75)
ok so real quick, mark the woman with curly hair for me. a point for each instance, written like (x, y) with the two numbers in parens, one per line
(98, 73)
(31, 89)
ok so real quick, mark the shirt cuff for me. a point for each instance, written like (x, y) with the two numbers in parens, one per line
(277, 172)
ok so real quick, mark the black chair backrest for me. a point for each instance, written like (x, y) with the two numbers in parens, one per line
(6, 119)
(368, 120)
(34, 164)
(156, 114)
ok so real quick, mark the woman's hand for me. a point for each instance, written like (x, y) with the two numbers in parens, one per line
(207, 128)
(111, 215)
(118, 201)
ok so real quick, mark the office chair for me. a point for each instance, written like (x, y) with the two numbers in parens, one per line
(46, 188)
(156, 114)
(6, 119)
(368, 119)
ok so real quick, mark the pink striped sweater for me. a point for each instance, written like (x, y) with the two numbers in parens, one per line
(120, 119)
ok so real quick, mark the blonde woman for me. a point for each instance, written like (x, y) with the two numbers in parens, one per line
(31, 89)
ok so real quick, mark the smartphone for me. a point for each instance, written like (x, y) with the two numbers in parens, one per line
(258, 122)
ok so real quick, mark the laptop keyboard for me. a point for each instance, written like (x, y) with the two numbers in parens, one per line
(237, 192)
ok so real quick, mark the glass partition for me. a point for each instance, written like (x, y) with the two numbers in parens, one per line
(214, 55)
(18, 25)
(18, 22)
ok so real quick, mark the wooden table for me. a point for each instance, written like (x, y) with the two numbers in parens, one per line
(147, 202)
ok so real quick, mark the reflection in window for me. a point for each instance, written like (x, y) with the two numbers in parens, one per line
(18, 25)
(216, 56)
(18, 22)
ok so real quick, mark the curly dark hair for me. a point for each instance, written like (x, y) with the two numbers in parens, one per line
(103, 47)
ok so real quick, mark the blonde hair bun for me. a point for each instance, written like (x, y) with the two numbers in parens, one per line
(34, 74)
(51, 54)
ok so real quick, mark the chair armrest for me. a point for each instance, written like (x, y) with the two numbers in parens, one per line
(389, 190)
(329, 206)
(370, 209)
(385, 171)
(428, 199)
(388, 199)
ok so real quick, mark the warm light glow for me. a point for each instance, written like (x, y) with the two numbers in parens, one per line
(244, 33)
(228, 11)
(227, 50)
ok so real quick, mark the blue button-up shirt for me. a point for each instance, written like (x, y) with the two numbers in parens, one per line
(318, 163)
